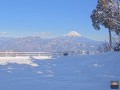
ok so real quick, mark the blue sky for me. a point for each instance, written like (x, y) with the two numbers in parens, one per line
(48, 17)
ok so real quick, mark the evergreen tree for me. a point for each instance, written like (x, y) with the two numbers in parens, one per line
(107, 14)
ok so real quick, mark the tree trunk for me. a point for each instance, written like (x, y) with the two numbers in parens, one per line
(110, 39)
(119, 37)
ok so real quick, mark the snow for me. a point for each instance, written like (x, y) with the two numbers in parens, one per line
(42, 57)
(73, 34)
(22, 60)
(77, 72)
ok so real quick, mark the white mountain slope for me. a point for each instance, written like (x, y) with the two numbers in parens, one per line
(73, 34)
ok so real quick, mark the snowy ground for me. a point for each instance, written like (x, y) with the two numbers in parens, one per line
(86, 72)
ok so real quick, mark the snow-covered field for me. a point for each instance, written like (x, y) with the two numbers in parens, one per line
(85, 72)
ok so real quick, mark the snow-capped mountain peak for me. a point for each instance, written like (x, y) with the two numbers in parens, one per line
(73, 34)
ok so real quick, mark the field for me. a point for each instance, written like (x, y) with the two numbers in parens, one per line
(75, 72)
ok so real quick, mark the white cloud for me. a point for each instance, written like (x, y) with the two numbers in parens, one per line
(44, 33)
(3, 33)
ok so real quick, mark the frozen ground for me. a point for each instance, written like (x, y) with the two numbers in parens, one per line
(86, 72)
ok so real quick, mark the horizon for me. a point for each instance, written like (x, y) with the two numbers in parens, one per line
(65, 35)
(48, 19)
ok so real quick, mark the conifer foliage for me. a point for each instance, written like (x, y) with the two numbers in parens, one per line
(107, 14)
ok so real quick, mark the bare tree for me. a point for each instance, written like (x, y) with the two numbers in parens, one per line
(104, 47)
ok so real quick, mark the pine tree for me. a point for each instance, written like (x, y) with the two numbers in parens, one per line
(107, 14)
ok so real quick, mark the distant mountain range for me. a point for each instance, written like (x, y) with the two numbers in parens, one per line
(72, 41)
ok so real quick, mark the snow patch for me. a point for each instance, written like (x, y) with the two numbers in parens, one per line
(50, 75)
(73, 34)
(108, 76)
(42, 57)
(9, 71)
(22, 60)
(97, 65)
(39, 72)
